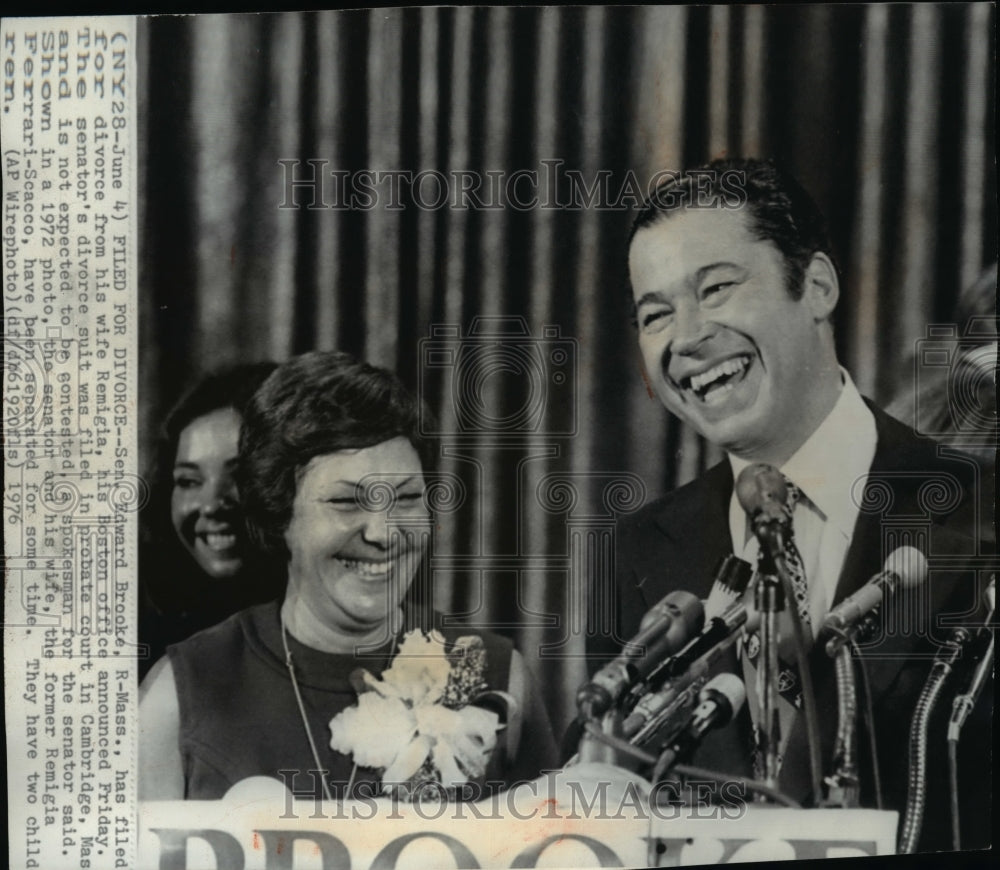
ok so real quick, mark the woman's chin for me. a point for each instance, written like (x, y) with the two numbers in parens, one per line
(222, 569)
(366, 614)
(369, 615)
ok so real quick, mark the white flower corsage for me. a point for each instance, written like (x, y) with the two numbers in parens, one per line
(417, 724)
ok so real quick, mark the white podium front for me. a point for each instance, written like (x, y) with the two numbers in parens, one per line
(587, 816)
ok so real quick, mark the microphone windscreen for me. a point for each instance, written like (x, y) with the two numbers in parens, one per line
(684, 607)
(908, 564)
(734, 573)
(728, 685)
(761, 489)
(862, 602)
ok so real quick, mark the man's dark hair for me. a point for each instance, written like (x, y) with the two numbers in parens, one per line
(780, 210)
(313, 405)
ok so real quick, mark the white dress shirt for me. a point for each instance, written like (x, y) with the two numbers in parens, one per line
(830, 469)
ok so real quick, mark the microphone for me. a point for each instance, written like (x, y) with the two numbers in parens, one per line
(721, 634)
(691, 665)
(762, 492)
(904, 568)
(718, 704)
(666, 628)
(944, 663)
(963, 703)
(688, 668)
(732, 577)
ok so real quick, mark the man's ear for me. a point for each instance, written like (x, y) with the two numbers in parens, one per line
(820, 286)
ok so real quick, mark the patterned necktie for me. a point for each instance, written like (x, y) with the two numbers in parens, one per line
(789, 685)
(794, 563)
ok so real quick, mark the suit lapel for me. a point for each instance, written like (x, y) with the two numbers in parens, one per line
(864, 556)
(902, 464)
(695, 526)
(898, 455)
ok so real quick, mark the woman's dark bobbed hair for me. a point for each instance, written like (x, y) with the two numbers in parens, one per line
(313, 405)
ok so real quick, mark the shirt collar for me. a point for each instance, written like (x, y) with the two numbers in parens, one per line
(833, 458)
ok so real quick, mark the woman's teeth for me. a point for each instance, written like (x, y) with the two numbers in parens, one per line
(219, 542)
(365, 567)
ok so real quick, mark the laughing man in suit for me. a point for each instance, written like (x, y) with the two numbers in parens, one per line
(735, 285)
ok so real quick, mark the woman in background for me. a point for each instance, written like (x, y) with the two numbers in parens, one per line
(956, 402)
(349, 674)
(197, 565)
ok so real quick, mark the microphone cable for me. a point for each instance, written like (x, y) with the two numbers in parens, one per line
(647, 758)
(916, 797)
(846, 777)
(845, 683)
(700, 773)
(754, 785)
(593, 728)
(917, 782)
(666, 760)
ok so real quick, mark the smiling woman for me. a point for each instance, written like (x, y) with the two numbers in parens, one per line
(197, 565)
(345, 578)
(332, 473)
(203, 501)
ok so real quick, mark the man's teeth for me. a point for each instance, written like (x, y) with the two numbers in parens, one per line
(365, 567)
(728, 367)
(218, 541)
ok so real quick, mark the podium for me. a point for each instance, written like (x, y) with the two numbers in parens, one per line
(591, 815)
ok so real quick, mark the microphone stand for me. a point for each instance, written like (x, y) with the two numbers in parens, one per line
(772, 539)
(769, 599)
(961, 708)
(762, 492)
(963, 704)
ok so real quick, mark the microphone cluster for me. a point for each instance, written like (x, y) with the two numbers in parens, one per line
(662, 672)
(657, 693)
(666, 628)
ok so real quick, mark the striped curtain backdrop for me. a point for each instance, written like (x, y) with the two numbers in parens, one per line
(513, 321)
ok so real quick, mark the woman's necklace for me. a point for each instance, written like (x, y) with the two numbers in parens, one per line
(305, 719)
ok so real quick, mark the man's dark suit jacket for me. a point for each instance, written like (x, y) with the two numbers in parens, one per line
(913, 496)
